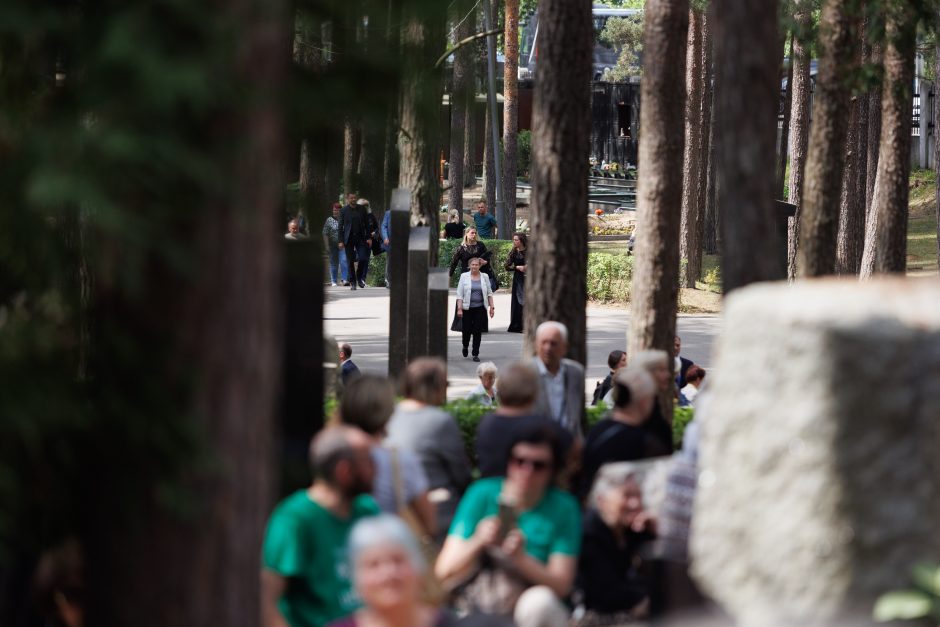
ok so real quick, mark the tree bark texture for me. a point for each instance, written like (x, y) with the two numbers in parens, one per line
(851, 236)
(784, 153)
(711, 237)
(799, 124)
(655, 292)
(561, 121)
(747, 103)
(936, 132)
(489, 163)
(461, 103)
(422, 85)
(886, 237)
(470, 146)
(819, 222)
(696, 152)
(874, 133)
(695, 163)
(217, 355)
(352, 143)
(510, 116)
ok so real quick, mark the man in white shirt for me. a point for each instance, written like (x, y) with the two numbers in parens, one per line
(561, 380)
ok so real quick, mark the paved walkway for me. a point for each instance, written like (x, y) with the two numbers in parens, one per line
(361, 318)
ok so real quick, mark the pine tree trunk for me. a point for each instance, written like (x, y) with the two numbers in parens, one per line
(655, 294)
(690, 240)
(489, 163)
(819, 224)
(874, 136)
(747, 103)
(422, 87)
(783, 154)
(799, 124)
(851, 237)
(555, 285)
(510, 116)
(936, 131)
(711, 237)
(886, 242)
(470, 146)
(460, 103)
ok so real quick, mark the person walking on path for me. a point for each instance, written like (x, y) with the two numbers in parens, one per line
(455, 227)
(331, 245)
(485, 223)
(561, 380)
(516, 263)
(386, 233)
(354, 240)
(473, 294)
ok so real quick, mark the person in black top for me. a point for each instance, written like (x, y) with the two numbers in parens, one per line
(454, 228)
(615, 533)
(354, 239)
(615, 361)
(516, 263)
(470, 249)
(656, 362)
(496, 433)
(621, 436)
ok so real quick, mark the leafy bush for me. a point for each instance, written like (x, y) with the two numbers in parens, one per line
(681, 417)
(525, 154)
(468, 414)
(609, 277)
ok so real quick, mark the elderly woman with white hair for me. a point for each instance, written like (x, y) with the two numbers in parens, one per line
(616, 528)
(622, 435)
(485, 392)
(388, 572)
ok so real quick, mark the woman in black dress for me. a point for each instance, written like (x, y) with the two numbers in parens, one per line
(454, 228)
(516, 262)
(470, 248)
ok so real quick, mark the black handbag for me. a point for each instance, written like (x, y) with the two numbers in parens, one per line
(457, 324)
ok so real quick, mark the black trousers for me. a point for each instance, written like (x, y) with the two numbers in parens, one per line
(357, 251)
(474, 321)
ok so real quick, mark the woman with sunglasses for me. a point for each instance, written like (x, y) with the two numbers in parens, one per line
(522, 526)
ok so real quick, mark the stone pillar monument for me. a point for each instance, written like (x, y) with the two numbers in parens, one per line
(820, 456)
(419, 246)
(438, 289)
(397, 258)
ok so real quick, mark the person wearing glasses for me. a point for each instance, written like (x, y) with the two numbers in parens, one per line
(521, 526)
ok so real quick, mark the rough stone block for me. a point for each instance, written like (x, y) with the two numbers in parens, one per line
(820, 453)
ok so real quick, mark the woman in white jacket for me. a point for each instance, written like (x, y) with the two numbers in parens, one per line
(473, 294)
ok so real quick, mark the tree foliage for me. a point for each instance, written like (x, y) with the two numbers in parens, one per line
(625, 33)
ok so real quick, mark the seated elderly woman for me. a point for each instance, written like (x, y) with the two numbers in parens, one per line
(514, 542)
(616, 528)
(389, 576)
(485, 392)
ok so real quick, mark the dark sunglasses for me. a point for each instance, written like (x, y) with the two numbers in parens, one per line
(537, 465)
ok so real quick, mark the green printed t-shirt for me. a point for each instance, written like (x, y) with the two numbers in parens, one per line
(306, 544)
(552, 526)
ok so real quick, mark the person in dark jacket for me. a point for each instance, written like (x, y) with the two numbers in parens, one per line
(354, 239)
(516, 262)
(615, 361)
(615, 532)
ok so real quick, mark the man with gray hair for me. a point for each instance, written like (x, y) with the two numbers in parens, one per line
(305, 578)
(561, 380)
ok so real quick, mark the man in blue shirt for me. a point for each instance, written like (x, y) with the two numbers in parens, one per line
(387, 240)
(485, 223)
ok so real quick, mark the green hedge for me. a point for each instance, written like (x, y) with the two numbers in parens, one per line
(608, 276)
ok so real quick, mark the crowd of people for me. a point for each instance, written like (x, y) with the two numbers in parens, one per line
(535, 520)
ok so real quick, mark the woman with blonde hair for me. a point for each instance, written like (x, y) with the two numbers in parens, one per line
(454, 228)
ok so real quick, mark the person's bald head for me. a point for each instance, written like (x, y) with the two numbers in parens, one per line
(340, 456)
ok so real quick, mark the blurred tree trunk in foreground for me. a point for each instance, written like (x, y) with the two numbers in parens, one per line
(556, 288)
(799, 122)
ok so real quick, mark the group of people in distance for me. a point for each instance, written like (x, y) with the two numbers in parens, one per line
(395, 531)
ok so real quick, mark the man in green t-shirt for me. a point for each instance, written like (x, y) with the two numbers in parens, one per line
(305, 580)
